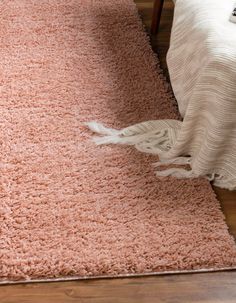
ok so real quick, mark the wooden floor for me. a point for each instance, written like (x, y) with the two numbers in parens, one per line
(188, 288)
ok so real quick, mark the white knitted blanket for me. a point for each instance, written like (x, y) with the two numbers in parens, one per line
(202, 66)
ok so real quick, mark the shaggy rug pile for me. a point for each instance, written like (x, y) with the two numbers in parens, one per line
(70, 208)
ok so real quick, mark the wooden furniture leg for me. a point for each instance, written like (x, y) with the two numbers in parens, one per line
(156, 16)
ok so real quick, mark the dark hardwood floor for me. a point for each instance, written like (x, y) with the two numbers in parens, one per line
(187, 288)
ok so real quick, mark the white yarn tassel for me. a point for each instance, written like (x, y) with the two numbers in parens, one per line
(176, 161)
(154, 137)
(175, 172)
(178, 173)
(151, 137)
(101, 129)
(111, 135)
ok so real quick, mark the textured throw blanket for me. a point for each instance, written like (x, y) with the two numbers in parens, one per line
(202, 66)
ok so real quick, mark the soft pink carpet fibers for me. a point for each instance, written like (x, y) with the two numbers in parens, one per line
(69, 207)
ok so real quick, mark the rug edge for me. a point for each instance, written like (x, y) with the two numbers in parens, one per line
(120, 276)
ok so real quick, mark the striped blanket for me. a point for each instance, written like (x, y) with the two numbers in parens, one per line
(202, 66)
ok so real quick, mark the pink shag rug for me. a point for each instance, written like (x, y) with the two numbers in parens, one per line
(68, 207)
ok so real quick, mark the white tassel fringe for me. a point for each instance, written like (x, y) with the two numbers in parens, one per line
(145, 139)
(155, 137)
